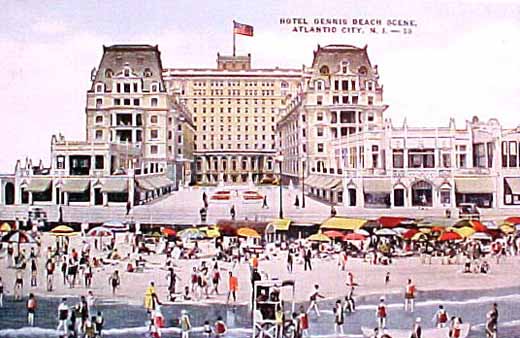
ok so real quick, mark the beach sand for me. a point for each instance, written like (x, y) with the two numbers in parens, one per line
(332, 281)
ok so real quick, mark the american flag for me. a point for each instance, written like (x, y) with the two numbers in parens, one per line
(243, 29)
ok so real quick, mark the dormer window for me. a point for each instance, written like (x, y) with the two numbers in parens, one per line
(319, 85)
(127, 72)
(344, 67)
(99, 88)
(147, 72)
(109, 73)
(155, 87)
(324, 70)
(362, 70)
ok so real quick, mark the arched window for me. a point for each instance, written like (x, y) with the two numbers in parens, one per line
(109, 73)
(154, 102)
(344, 67)
(324, 70)
(99, 119)
(285, 84)
(362, 70)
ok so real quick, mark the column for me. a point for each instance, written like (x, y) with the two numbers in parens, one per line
(239, 168)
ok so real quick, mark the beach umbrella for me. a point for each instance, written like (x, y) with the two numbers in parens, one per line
(490, 224)
(211, 232)
(190, 233)
(116, 226)
(512, 220)
(354, 237)
(100, 232)
(62, 229)
(386, 232)
(390, 221)
(334, 234)
(362, 232)
(478, 226)
(419, 237)
(19, 237)
(319, 237)
(449, 236)
(465, 232)
(425, 230)
(169, 232)
(154, 234)
(437, 228)
(507, 229)
(248, 232)
(400, 230)
(5, 227)
(410, 233)
(481, 236)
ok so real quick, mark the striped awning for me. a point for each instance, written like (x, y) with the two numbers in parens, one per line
(116, 185)
(342, 223)
(39, 185)
(474, 185)
(514, 184)
(377, 185)
(75, 186)
(144, 184)
(333, 183)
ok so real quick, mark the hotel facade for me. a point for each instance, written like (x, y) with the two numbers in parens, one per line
(336, 141)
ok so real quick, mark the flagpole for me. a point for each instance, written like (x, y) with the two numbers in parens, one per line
(234, 47)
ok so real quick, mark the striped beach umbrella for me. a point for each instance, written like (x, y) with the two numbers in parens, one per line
(100, 232)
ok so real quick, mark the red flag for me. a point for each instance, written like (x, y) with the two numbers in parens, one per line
(242, 29)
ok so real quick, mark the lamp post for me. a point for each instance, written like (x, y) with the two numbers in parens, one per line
(303, 184)
(279, 159)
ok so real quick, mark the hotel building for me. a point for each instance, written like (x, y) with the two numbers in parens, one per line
(336, 141)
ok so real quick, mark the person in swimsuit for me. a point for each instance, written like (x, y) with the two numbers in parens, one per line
(18, 285)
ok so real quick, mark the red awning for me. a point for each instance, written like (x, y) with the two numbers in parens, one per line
(390, 222)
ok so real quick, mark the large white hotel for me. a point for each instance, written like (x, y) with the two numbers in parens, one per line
(151, 129)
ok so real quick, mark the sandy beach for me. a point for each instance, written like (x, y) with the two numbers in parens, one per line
(326, 273)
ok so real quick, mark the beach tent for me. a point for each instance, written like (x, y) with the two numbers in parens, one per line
(319, 237)
(211, 231)
(362, 232)
(481, 236)
(507, 229)
(248, 232)
(343, 223)
(19, 237)
(513, 220)
(410, 233)
(62, 230)
(419, 237)
(191, 233)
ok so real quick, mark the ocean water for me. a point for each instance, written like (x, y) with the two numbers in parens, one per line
(123, 320)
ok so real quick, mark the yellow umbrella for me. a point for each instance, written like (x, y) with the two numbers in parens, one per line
(62, 229)
(425, 230)
(319, 237)
(507, 229)
(465, 232)
(419, 236)
(211, 232)
(248, 232)
(64, 234)
(5, 227)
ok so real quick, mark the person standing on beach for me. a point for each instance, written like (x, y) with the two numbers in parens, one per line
(492, 322)
(98, 324)
(114, 280)
(290, 260)
(220, 328)
(232, 212)
(18, 285)
(185, 324)
(264, 203)
(34, 273)
(1, 292)
(128, 207)
(215, 279)
(233, 287)
(150, 298)
(350, 304)
(387, 278)
(303, 323)
(313, 298)
(381, 314)
(409, 296)
(50, 273)
(417, 329)
(338, 318)
(307, 259)
(172, 280)
(441, 317)
(31, 309)
(63, 315)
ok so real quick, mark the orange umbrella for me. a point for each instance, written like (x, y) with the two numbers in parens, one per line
(449, 236)
(169, 232)
(248, 232)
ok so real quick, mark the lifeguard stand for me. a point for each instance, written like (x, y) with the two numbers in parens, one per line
(265, 303)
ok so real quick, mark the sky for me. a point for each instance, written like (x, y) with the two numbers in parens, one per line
(461, 60)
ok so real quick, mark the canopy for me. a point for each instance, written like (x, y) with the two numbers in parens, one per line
(18, 236)
(377, 185)
(390, 221)
(319, 237)
(465, 232)
(100, 232)
(341, 223)
(281, 224)
(116, 226)
(481, 236)
(5, 227)
(75, 186)
(144, 184)
(169, 232)
(474, 185)
(449, 236)
(39, 185)
(386, 232)
(354, 237)
(514, 184)
(248, 232)
(333, 234)
(115, 185)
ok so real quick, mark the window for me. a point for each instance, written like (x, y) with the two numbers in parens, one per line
(324, 70)
(154, 149)
(319, 100)
(127, 72)
(153, 119)
(344, 67)
(126, 87)
(135, 87)
(100, 162)
(512, 154)
(99, 119)
(154, 134)
(335, 99)
(319, 116)
(137, 102)
(109, 73)
(126, 102)
(446, 160)
(154, 102)
(155, 88)
(398, 158)
(320, 147)
(99, 134)
(118, 87)
(99, 88)
(117, 102)
(370, 117)
(60, 162)
(319, 131)
(344, 85)
(370, 100)
(319, 85)
(99, 103)
(147, 72)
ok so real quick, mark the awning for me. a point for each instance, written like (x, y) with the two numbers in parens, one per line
(281, 224)
(163, 181)
(341, 223)
(474, 185)
(375, 185)
(311, 180)
(333, 182)
(115, 185)
(144, 184)
(39, 184)
(514, 184)
(75, 186)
